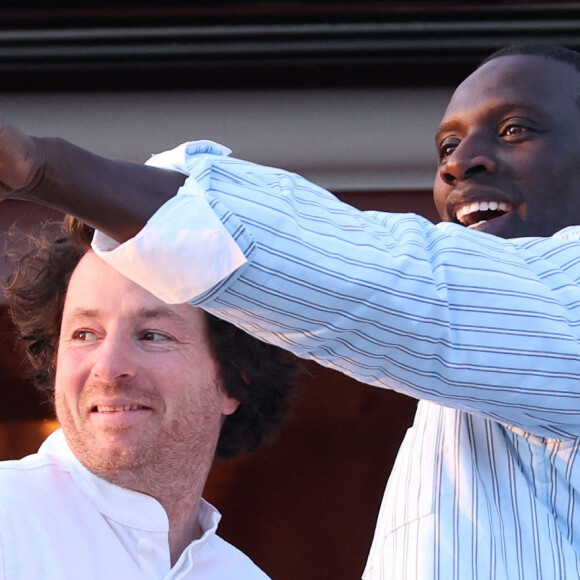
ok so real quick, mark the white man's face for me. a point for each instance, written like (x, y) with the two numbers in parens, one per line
(136, 386)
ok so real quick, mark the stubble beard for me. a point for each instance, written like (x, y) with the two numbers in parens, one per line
(175, 455)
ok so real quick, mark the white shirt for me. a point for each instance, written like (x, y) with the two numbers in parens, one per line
(58, 521)
(484, 331)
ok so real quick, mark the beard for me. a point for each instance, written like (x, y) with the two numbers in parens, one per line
(176, 439)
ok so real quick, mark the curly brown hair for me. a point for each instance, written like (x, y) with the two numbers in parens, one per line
(260, 376)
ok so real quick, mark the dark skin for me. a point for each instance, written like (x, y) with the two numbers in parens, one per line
(511, 138)
(509, 143)
(114, 196)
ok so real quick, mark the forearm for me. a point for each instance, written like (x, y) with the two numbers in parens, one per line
(117, 197)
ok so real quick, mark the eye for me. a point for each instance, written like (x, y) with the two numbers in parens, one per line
(515, 127)
(447, 147)
(84, 335)
(154, 336)
(513, 130)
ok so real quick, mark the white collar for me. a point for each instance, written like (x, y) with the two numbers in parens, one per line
(128, 507)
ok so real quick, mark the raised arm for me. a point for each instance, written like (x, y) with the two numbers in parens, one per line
(472, 321)
(117, 197)
(487, 325)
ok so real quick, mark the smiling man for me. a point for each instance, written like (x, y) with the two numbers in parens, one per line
(145, 392)
(483, 331)
(509, 147)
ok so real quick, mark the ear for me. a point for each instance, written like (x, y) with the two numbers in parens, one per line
(230, 405)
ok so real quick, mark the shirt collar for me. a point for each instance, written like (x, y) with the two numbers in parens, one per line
(569, 233)
(128, 507)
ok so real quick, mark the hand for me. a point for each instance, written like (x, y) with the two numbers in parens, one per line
(20, 161)
(116, 197)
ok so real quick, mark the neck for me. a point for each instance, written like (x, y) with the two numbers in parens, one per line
(178, 491)
(184, 525)
(183, 530)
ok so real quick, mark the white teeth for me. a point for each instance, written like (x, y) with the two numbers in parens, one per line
(475, 206)
(467, 209)
(110, 409)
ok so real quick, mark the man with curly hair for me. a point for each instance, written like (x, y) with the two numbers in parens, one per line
(145, 393)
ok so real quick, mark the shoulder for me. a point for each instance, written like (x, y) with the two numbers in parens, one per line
(35, 478)
(32, 476)
(23, 468)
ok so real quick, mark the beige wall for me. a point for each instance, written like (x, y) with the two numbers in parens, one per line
(342, 139)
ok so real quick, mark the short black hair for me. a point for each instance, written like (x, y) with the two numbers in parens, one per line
(553, 51)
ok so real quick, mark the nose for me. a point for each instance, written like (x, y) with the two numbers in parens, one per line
(114, 360)
(470, 157)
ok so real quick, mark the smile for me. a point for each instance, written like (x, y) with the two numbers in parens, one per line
(117, 409)
(475, 213)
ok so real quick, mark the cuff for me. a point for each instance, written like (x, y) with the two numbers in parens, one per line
(182, 252)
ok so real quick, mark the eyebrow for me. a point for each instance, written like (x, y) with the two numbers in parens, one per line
(143, 313)
(444, 128)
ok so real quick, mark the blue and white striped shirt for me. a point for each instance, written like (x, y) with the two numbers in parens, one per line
(484, 331)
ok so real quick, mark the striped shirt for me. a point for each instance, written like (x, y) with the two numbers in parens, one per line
(485, 332)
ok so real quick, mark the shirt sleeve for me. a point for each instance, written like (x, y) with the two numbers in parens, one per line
(463, 318)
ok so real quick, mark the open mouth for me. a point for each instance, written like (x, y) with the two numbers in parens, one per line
(475, 213)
